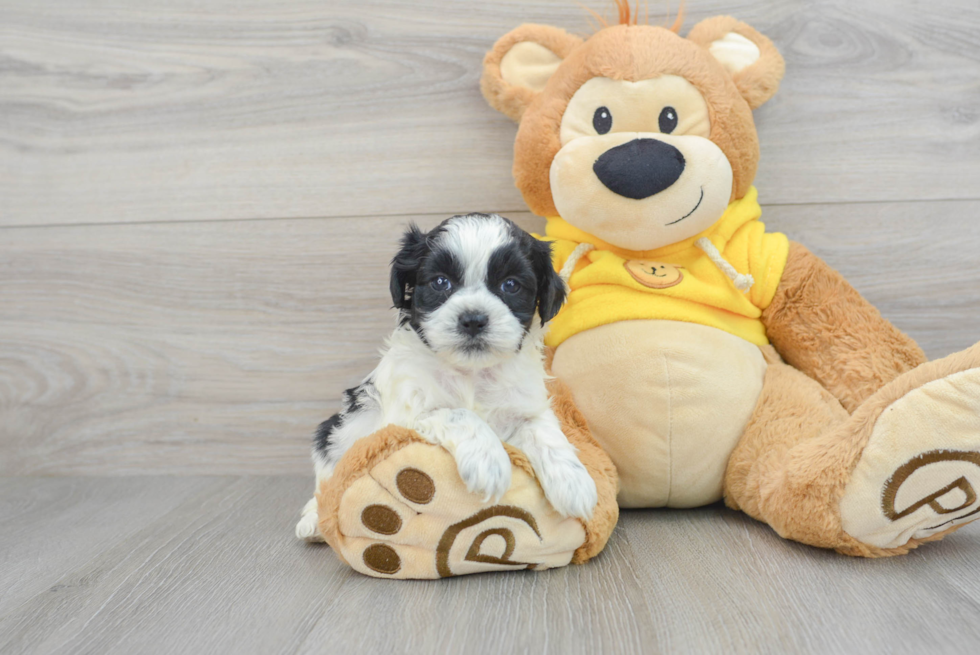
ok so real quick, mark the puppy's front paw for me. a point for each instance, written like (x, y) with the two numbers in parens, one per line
(484, 466)
(568, 487)
(432, 429)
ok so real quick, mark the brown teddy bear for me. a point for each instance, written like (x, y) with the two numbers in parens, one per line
(709, 358)
(713, 359)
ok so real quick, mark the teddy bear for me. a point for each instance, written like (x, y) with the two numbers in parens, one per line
(713, 359)
(699, 357)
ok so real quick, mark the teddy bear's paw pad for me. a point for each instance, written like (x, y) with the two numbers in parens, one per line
(919, 474)
(411, 516)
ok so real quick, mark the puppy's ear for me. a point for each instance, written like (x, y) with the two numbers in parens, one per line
(405, 265)
(551, 289)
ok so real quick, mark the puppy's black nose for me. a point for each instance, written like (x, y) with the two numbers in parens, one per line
(640, 168)
(473, 324)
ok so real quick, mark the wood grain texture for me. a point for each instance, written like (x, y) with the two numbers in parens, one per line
(218, 347)
(216, 570)
(51, 526)
(121, 111)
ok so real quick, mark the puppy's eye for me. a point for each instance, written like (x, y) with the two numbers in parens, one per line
(441, 284)
(510, 286)
(668, 120)
(602, 120)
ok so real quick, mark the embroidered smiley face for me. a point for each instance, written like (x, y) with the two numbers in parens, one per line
(654, 275)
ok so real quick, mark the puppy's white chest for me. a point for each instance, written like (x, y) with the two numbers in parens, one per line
(463, 391)
(490, 394)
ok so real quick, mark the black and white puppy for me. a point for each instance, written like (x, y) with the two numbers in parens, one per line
(464, 367)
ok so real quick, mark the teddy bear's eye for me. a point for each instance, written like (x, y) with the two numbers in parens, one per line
(668, 120)
(602, 120)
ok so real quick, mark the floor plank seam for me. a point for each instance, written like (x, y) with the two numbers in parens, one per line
(504, 212)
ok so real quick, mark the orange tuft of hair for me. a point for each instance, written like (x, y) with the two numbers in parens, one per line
(625, 11)
(630, 16)
(676, 27)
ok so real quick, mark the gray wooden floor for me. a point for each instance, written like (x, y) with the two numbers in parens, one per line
(198, 200)
(200, 564)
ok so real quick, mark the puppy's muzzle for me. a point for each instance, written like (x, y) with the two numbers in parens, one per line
(473, 323)
(639, 168)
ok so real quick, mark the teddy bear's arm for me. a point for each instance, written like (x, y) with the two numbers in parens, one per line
(822, 326)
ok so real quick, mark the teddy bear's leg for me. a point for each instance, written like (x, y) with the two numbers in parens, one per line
(903, 469)
(822, 326)
(793, 409)
(395, 507)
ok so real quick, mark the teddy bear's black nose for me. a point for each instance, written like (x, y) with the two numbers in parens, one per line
(640, 168)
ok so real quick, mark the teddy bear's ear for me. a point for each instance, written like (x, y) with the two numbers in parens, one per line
(750, 58)
(516, 70)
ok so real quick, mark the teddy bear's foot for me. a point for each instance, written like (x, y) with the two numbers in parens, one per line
(396, 507)
(918, 477)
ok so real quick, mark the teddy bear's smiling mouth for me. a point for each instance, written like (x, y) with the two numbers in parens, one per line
(690, 212)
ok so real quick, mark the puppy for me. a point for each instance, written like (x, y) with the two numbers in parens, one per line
(464, 367)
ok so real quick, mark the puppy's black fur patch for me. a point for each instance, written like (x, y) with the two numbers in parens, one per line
(413, 268)
(406, 264)
(549, 286)
(510, 262)
(321, 440)
(354, 401)
(426, 299)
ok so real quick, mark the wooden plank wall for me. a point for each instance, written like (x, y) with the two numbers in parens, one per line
(198, 200)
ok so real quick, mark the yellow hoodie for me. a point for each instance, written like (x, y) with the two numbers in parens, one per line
(678, 282)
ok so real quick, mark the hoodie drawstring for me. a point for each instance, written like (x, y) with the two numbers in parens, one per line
(566, 271)
(742, 282)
